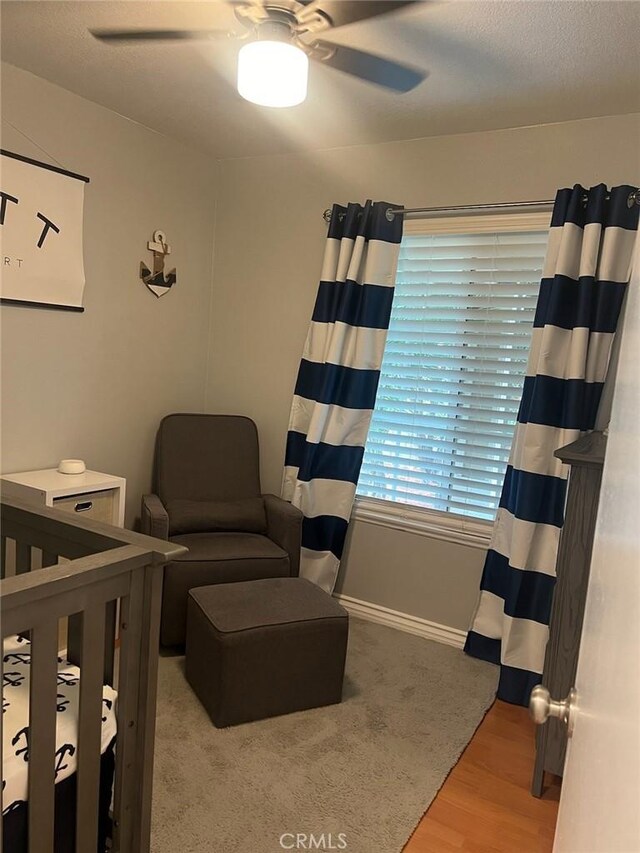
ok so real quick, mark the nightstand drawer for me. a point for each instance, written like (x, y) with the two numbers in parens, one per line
(99, 506)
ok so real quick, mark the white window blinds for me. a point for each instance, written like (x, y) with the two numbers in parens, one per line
(454, 363)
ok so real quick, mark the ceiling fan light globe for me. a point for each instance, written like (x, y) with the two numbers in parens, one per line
(272, 73)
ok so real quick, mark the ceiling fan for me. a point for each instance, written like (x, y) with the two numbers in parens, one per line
(281, 36)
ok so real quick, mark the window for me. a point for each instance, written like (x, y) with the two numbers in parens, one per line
(454, 363)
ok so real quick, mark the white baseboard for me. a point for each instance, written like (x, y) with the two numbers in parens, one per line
(403, 621)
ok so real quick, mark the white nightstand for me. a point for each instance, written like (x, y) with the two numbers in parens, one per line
(94, 495)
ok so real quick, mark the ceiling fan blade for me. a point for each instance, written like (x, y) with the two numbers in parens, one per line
(374, 69)
(132, 36)
(343, 12)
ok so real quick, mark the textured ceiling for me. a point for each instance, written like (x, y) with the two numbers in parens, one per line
(492, 65)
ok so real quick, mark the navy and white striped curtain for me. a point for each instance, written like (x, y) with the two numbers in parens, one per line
(338, 379)
(585, 275)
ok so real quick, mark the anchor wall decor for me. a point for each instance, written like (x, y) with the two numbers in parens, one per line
(156, 281)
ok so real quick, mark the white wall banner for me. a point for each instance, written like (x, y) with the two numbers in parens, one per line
(41, 210)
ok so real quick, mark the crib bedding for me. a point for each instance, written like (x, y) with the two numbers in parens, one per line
(15, 720)
(15, 832)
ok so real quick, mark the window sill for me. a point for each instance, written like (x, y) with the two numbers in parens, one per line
(469, 532)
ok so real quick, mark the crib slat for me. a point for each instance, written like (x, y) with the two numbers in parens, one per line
(127, 773)
(90, 727)
(23, 558)
(3, 561)
(42, 734)
(147, 701)
(110, 642)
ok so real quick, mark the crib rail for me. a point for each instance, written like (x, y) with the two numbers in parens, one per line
(107, 567)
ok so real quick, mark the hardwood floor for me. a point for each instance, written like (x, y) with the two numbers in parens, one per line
(485, 805)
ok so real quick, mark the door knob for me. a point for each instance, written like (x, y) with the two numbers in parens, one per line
(542, 706)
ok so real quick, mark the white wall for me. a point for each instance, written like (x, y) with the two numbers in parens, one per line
(269, 243)
(95, 385)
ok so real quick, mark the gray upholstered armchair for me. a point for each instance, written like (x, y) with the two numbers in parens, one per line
(207, 498)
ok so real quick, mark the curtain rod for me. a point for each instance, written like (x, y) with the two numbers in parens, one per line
(634, 198)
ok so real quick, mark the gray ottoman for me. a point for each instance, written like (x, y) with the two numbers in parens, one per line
(265, 647)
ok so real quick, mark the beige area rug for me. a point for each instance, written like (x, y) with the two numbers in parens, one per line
(362, 772)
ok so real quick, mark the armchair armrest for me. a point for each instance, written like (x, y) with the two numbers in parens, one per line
(284, 527)
(154, 520)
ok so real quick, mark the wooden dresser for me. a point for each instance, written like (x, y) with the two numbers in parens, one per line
(586, 458)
